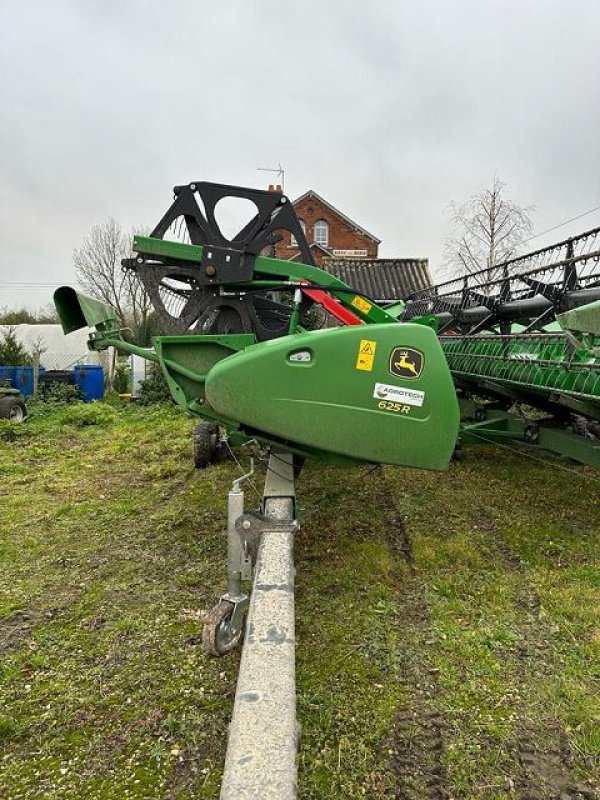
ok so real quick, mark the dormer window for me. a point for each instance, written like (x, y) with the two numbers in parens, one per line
(322, 233)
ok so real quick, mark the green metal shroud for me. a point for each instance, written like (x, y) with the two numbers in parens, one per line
(377, 392)
(326, 403)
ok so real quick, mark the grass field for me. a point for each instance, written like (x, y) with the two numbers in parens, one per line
(448, 623)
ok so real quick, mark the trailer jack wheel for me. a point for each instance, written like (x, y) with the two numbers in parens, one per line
(223, 629)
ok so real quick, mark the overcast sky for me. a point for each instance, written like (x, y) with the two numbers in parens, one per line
(390, 110)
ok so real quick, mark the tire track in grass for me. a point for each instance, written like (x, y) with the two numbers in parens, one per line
(543, 757)
(417, 741)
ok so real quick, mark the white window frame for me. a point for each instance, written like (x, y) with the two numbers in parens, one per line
(321, 225)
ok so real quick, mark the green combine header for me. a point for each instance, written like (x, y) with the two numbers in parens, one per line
(241, 352)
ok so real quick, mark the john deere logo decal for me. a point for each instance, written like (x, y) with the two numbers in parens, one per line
(406, 362)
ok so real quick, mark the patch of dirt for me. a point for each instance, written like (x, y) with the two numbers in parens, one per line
(544, 771)
(417, 749)
(183, 776)
(16, 630)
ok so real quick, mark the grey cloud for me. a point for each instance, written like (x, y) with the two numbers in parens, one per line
(389, 109)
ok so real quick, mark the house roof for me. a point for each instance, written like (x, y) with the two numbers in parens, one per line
(382, 279)
(313, 246)
(312, 193)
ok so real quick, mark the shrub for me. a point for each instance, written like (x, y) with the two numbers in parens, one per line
(58, 393)
(12, 351)
(154, 389)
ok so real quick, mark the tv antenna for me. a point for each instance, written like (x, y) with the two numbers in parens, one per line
(279, 171)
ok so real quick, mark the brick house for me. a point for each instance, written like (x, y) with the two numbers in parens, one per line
(345, 249)
(329, 233)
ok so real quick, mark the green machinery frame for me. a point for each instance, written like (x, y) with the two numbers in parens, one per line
(187, 359)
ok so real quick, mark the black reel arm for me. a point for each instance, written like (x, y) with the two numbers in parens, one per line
(187, 298)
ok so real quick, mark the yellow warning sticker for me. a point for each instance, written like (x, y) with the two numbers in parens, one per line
(362, 304)
(366, 355)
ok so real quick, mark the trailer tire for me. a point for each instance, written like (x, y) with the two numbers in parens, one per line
(206, 444)
(13, 409)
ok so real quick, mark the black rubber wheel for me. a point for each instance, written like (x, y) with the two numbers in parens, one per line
(13, 409)
(457, 454)
(218, 637)
(206, 443)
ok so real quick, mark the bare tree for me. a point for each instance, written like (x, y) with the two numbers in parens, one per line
(98, 267)
(489, 230)
(38, 348)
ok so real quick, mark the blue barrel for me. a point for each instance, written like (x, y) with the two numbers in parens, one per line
(23, 380)
(89, 379)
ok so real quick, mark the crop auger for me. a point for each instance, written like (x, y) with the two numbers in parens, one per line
(238, 349)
